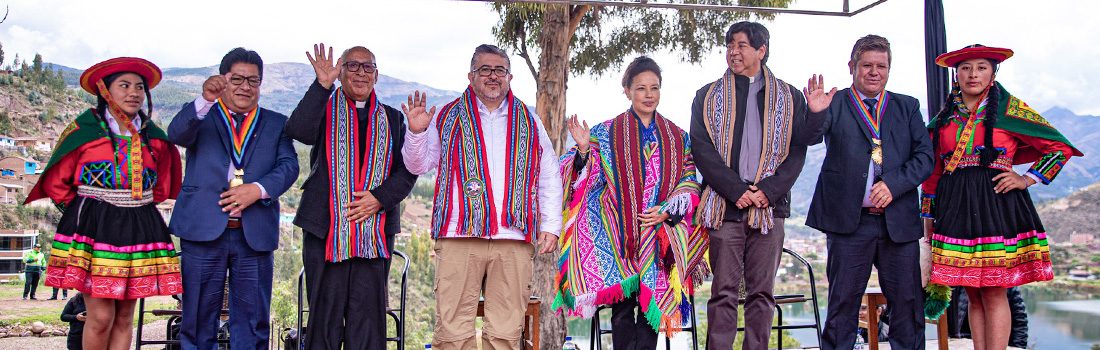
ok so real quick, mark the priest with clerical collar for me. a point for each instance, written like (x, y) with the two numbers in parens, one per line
(350, 209)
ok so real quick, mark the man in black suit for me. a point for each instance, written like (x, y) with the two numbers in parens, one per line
(345, 255)
(748, 137)
(866, 202)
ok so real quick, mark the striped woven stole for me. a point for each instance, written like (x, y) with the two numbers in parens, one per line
(629, 164)
(463, 163)
(719, 117)
(350, 171)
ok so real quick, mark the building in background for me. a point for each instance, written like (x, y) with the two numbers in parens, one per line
(14, 244)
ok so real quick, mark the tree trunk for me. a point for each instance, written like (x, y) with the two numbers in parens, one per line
(550, 106)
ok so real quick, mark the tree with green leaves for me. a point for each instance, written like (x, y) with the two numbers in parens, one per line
(37, 67)
(585, 39)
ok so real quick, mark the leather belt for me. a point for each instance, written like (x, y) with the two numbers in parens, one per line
(234, 223)
(873, 211)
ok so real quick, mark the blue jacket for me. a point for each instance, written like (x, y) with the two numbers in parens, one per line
(270, 160)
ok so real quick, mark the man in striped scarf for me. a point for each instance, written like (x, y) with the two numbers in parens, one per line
(351, 201)
(748, 137)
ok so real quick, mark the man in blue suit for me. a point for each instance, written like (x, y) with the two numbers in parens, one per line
(866, 202)
(239, 161)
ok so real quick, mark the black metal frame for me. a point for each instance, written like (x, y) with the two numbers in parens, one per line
(795, 298)
(595, 341)
(396, 314)
(173, 316)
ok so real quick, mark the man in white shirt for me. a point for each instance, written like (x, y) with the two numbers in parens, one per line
(498, 189)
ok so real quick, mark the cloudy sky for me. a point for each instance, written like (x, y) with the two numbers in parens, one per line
(430, 41)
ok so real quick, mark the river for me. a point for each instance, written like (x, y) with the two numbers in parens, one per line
(1057, 320)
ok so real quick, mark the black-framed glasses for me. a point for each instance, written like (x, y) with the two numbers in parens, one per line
(353, 66)
(486, 71)
(237, 79)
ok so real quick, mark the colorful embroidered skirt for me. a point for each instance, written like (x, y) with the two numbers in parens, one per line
(107, 251)
(983, 238)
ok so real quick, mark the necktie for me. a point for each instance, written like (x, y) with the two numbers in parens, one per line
(876, 147)
(238, 118)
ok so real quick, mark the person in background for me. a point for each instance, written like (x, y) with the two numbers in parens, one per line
(35, 261)
(75, 313)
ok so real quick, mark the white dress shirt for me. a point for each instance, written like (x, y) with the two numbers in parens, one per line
(422, 154)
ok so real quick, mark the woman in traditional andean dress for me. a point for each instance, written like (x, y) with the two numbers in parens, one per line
(111, 167)
(630, 193)
(986, 235)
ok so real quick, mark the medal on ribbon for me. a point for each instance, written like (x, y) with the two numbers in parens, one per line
(872, 123)
(240, 136)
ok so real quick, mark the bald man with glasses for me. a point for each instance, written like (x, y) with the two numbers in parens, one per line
(350, 209)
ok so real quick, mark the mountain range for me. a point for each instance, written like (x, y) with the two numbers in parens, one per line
(283, 86)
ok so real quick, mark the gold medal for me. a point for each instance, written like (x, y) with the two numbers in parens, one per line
(238, 178)
(876, 154)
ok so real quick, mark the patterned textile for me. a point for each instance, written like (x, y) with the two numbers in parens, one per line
(720, 114)
(105, 271)
(463, 163)
(86, 129)
(631, 168)
(353, 172)
(991, 261)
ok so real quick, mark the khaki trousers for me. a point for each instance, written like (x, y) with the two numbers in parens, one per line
(469, 268)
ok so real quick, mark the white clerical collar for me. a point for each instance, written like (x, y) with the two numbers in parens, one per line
(759, 75)
(113, 124)
(360, 104)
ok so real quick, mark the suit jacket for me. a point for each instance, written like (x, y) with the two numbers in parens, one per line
(307, 125)
(270, 160)
(907, 161)
(725, 179)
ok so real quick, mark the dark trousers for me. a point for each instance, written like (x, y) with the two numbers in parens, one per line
(849, 266)
(204, 266)
(64, 293)
(738, 251)
(33, 274)
(75, 341)
(347, 299)
(630, 332)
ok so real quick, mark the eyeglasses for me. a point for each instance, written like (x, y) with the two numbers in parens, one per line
(353, 66)
(486, 71)
(237, 79)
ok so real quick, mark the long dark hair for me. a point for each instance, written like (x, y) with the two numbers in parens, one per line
(101, 109)
(993, 98)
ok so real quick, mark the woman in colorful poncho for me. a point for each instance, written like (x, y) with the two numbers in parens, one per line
(110, 168)
(630, 183)
(986, 235)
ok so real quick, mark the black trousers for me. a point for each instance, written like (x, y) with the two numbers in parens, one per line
(851, 257)
(64, 293)
(33, 276)
(630, 332)
(347, 299)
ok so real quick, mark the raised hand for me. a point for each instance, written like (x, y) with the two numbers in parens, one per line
(816, 98)
(580, 133)
(327, 72)
(415, 110)
(213, 87)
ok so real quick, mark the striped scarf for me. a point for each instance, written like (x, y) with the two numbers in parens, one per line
(628, 179)
(720, 115)
(351, 172)
(463, 163)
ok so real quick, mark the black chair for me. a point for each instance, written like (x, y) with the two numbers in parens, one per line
(597, 333)
(171, 340)
(781, 300)
(396, 314)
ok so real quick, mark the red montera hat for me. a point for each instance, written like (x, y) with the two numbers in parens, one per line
(138, 66)
(952, 58)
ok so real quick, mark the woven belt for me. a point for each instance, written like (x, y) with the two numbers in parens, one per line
(118, 198)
